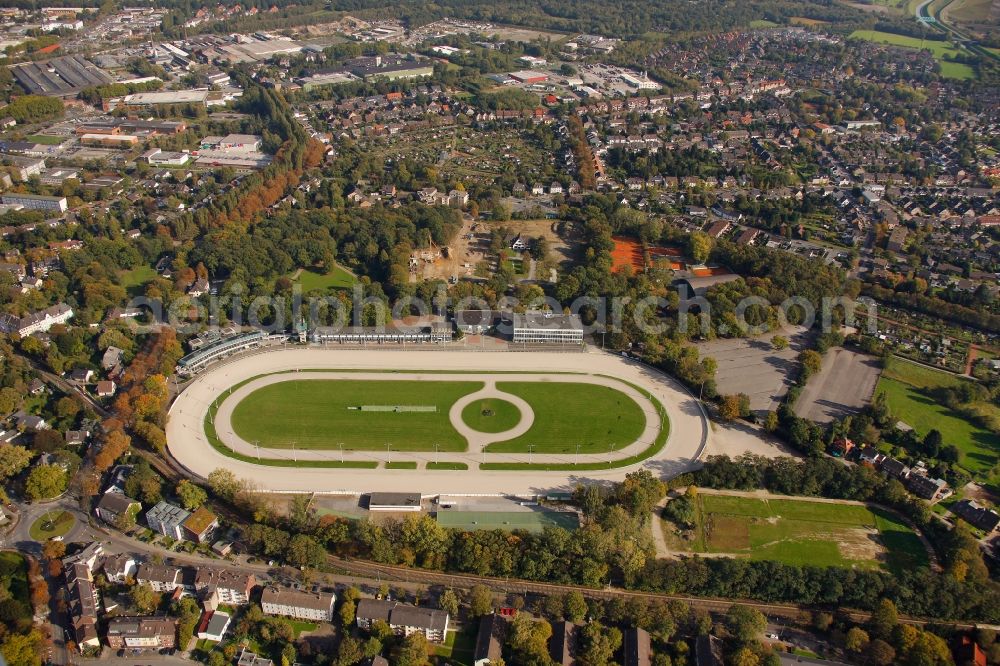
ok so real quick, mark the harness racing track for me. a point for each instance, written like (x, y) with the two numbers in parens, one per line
(189, 445)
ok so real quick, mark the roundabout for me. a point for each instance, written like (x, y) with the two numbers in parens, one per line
(353, 421)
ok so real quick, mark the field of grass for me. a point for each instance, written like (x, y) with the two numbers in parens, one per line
(802, 20)
(530, 521)
(447, 466)
(46, 139)
(137, 277)
(969, 11)
(338, 278)
(763, 23)
(458, 648)
(597, 418)
(401, 464)
(906, 387)
(54, 525)
(939, 49)
(491, 415)
(801, 532)
(321, 414)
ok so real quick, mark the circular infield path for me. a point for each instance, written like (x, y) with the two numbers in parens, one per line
(188, 444)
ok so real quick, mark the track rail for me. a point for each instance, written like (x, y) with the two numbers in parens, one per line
(368, 569)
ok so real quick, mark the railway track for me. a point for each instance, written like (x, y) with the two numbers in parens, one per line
(385, 572)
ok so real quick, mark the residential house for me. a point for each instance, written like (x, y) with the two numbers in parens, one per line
(490, 640)
(562, 644)
(841, 447)
(232, 587)
(981, 517)
(297, 604)
(927, 488)
(200, 525)
(708, 651)
(636, 649)
(113, 505)
(167, 519)
(106, 388)
(119, 568)
(81, 375)
(159, 577)
(213, 626)
(403, 619)
(142, 632)
(35, 322)
(248, 658)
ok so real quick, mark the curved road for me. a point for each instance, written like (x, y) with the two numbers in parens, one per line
(188, 445)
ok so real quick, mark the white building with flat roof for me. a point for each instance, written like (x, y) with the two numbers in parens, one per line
(546, 328)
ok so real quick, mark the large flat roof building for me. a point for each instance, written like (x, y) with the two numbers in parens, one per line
(35, 201)
(394, 502)
(60, 77)
(546, 328)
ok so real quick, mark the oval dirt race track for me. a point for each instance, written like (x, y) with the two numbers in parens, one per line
(189, 446)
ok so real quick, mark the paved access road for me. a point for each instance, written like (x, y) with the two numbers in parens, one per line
(187, 443)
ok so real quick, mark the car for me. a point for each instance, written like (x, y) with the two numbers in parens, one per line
(121, 653)
(56, 538)
(773, 637)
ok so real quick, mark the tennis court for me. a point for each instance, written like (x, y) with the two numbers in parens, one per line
(534, 520)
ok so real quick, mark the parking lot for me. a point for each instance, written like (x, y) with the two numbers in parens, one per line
(755, 367)
(844, 385)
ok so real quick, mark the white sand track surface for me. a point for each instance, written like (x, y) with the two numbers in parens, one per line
(188, 444)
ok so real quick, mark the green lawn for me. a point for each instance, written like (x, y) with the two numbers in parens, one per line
(300, 626)
(43, 530)
(530, 521)
(906, 387)
(491, 415)
(46, 139)
(458, 648)
(939, 49)
(802, 533)
(323, 413)
(401, 464)
(338, 278)
(763, 23)
(597, 418)
(447, 466)
(137, 277)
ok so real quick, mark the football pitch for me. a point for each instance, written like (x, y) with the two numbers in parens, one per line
(801, 532)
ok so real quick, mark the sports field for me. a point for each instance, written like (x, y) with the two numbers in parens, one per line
(939, 49)
(801, 532)
(907, 388)
(322, 414)
(530, 521)
(597, 418)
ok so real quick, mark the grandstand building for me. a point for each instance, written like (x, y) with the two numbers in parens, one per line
(199, 359)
